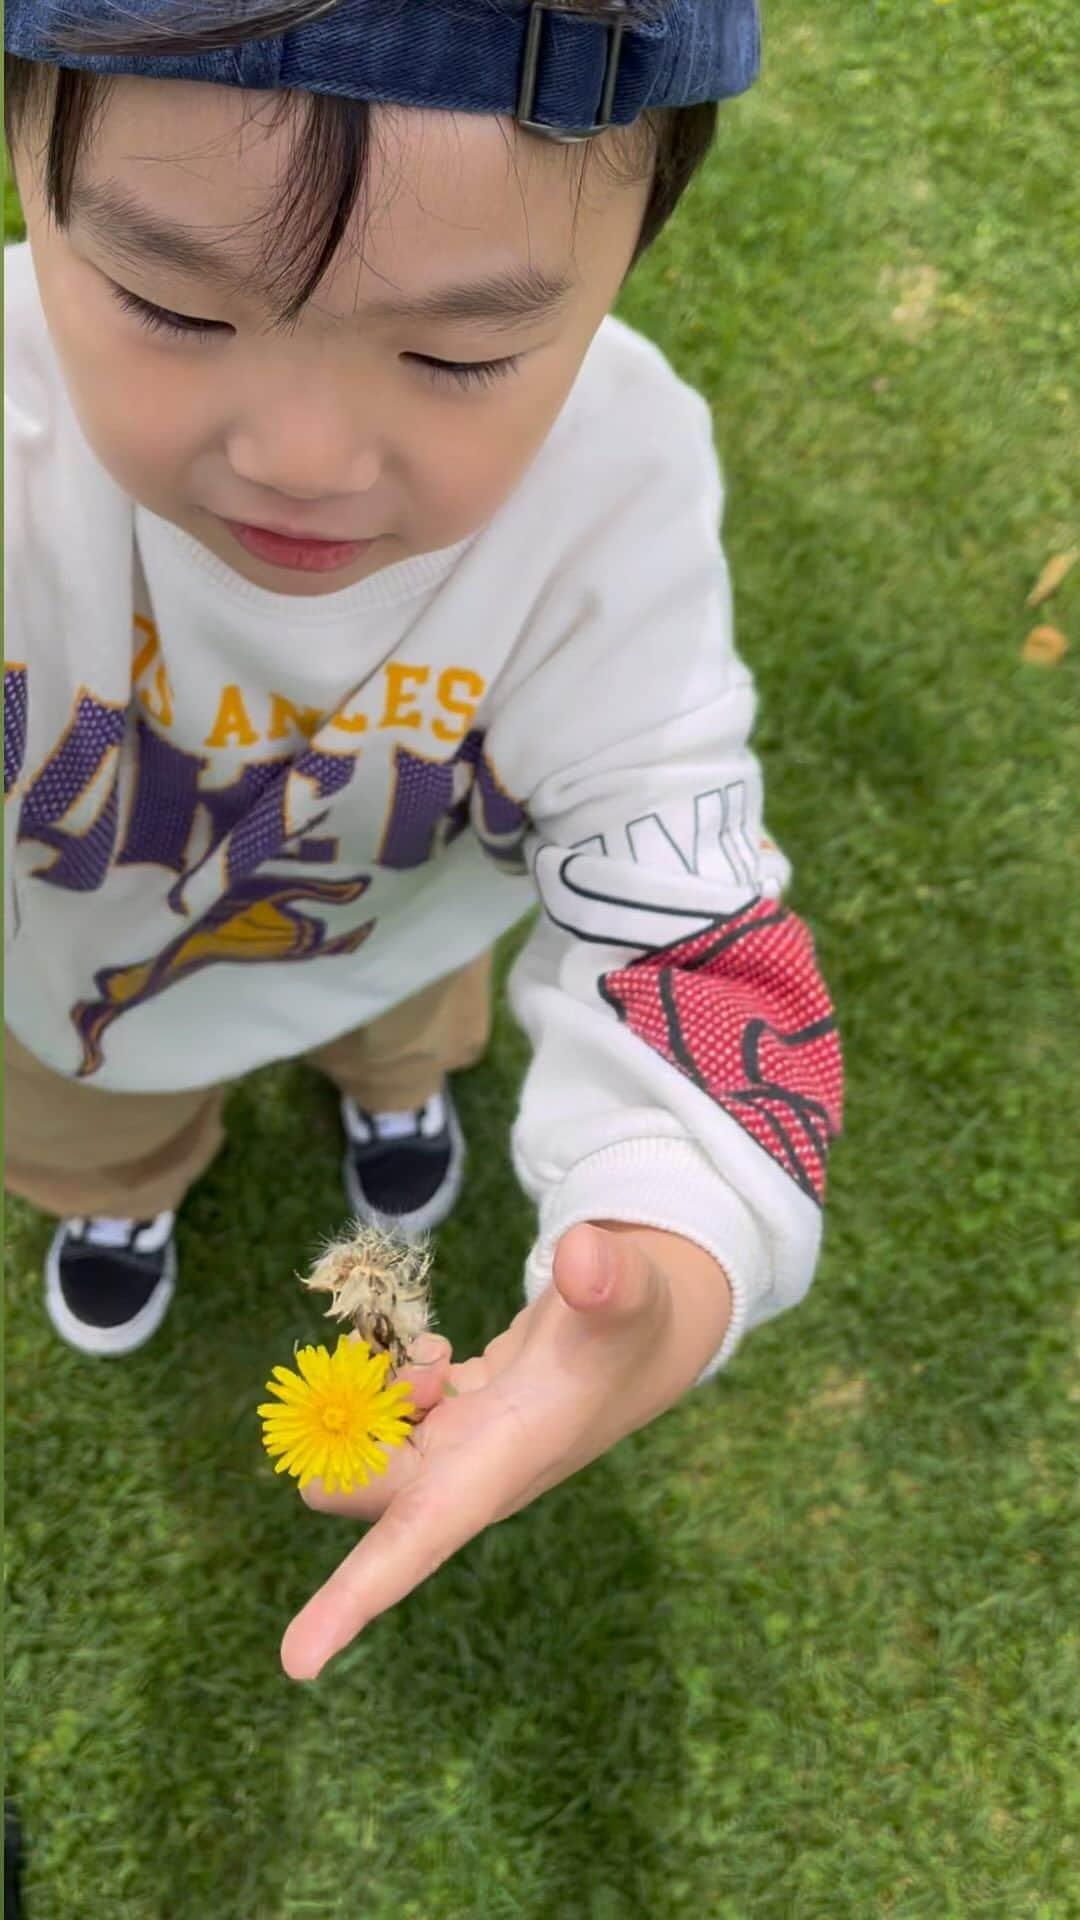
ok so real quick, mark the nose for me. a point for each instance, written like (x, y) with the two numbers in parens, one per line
(305, 452)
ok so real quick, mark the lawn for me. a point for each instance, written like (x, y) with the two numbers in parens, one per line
(806, 1648)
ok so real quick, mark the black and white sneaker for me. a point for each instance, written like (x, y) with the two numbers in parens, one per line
(404, 1170)
(108, 1283)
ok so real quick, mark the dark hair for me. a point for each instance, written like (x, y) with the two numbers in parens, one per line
(334, 135)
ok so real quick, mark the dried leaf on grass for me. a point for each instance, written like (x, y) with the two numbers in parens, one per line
(918, 287)
(1044, 646)
(1052, 576)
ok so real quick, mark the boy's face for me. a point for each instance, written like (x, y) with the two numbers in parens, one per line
(335, 427)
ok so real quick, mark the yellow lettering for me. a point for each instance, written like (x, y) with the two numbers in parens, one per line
(285, 719)
(157, 700)
(470, 683)
(398, 692)
(232, 725)
(162, 692)
(147, 650)
(350, 722)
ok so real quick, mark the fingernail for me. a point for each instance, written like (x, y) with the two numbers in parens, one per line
(603, 1263)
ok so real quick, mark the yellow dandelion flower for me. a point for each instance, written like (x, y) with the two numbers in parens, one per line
(332, 1420)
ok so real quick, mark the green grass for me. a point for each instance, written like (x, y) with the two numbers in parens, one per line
(805, 1649)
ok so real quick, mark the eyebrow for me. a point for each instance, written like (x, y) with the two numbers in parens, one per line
(134, 234)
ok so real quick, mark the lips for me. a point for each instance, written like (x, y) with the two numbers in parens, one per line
(298, 552)
(307, 539)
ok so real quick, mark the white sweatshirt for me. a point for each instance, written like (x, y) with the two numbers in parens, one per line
(240, 823)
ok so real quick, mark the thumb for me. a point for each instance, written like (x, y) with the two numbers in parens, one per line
(427, 1370)
(606, 1275)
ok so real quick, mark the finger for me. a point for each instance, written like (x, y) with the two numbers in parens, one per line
(427, 1370)
(604, 1275)
(423, 1526)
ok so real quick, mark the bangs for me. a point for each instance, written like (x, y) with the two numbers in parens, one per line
(320, 189)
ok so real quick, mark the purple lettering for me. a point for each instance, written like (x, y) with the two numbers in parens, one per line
(500, 822)
(264, 831)
(422, 798)
(82, 858)
(163, 804)
(435, 800)
(14, 724)
(250, 812)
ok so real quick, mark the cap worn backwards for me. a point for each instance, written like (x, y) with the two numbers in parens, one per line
(561, 74)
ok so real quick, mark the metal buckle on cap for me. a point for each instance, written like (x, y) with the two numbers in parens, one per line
(613, 12)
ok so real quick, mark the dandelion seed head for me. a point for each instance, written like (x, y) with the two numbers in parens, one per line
(380, 1283)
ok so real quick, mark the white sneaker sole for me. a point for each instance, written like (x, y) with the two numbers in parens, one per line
(106, 1341)
(412, 1226)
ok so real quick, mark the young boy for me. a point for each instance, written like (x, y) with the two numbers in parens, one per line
(364, 589)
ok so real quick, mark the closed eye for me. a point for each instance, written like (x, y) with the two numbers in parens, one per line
(164, 320)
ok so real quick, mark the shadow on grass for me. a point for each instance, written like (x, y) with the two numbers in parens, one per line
(513, 1681)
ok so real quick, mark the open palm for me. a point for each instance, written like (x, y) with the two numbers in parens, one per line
(577, 1369)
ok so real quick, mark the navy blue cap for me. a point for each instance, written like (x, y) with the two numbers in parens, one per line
(560, 74)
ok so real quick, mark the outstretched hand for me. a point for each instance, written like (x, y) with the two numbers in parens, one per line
(632, 1317)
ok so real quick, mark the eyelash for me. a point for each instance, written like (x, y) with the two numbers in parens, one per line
(465, 373)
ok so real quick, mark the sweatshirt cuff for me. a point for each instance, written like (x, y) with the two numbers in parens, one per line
(672, 1185)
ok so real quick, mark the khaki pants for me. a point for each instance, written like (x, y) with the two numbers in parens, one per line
(77, 1149)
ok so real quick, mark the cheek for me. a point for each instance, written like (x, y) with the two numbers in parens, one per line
(474, 469)
(145, 445)
(134, 410)
(460, 485)
(465, 471)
